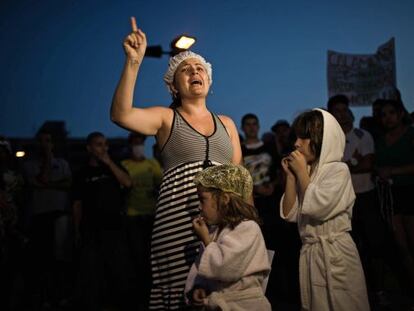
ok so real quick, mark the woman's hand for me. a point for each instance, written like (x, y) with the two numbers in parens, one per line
(199, 294)
(297, 162)
(201, 229)
(135, 43)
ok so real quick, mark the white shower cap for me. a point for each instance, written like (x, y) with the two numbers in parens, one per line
(176, 60)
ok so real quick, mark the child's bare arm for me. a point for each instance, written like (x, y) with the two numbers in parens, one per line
(289, 198)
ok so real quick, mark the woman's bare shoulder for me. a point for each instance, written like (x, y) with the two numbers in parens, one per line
(227, 121)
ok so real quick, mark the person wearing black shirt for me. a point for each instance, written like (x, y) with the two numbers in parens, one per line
(98, 210)
(263, 162)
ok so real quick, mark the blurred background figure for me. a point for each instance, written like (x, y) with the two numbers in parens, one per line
(263, 163)
(48, 180)
(373, 124)
(368, 228)
(395, 172)
(12, 241)
(141, 201)
(283, 138)
(262, 160)
(99, 216)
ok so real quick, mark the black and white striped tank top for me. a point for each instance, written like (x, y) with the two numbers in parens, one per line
(185, 144)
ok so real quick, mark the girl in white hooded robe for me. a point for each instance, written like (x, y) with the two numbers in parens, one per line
(319, 196)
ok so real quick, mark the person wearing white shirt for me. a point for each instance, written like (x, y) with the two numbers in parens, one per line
(368, 229)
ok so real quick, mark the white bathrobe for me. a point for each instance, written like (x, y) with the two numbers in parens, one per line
(232, 269)
(331, 275)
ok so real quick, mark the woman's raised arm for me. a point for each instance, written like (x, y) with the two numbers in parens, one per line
(147, 121)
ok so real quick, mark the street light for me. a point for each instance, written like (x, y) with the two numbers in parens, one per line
(183, 42)
(179, 44)
(20, 154)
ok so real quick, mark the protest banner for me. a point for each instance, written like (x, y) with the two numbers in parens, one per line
(363, 78)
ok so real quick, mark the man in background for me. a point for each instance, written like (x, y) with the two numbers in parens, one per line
(141, 200)
(99, 217)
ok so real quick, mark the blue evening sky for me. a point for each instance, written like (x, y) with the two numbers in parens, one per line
(61, 59)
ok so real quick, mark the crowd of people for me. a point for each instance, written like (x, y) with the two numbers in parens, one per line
(314, 214)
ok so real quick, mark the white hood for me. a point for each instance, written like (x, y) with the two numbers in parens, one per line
(333, 143)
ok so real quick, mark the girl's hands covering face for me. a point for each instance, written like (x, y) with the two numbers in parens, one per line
(297, 162)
